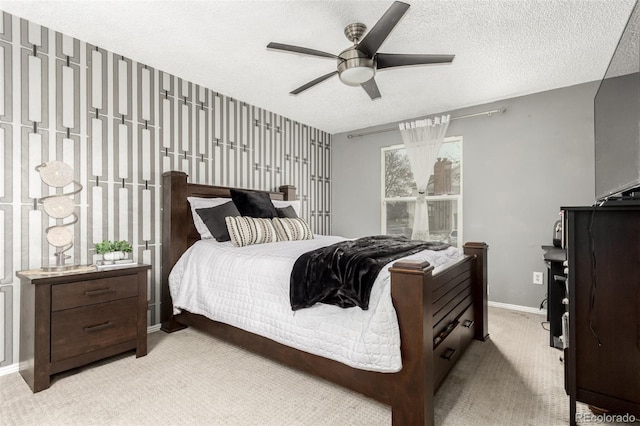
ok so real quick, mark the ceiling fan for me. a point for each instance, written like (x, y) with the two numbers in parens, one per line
(357, 64)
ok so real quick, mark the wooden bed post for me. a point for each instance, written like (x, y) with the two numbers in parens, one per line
(174, 241)
(412, 402)
(289, 192)
(479, 250)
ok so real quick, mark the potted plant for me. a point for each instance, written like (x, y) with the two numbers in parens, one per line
(113, 250)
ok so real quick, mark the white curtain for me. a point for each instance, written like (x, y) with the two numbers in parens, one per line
(422, 139)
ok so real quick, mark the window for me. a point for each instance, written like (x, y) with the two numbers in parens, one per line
(444, 193)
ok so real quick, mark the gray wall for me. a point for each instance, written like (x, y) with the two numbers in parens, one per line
(519, 167)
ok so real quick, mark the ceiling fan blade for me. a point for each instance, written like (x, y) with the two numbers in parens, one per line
(371, 88)
(381, 30)
(300, 50)
(389, 60)
(313, 83)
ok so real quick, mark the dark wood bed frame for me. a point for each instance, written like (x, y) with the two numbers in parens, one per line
(451, 304)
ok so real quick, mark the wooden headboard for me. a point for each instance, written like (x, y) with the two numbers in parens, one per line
(178, 230)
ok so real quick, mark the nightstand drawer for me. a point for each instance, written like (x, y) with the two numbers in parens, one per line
(84, 293)
(81, 330)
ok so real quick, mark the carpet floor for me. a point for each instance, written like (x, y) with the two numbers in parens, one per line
(514, 378)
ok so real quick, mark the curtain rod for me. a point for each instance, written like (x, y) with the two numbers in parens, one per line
(391, 129)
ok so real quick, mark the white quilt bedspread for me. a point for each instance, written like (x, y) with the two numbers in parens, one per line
(248, 287)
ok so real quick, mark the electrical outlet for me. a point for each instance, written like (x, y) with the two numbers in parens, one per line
(538, 278)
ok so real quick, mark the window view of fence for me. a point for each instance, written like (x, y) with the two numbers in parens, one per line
(444, 193)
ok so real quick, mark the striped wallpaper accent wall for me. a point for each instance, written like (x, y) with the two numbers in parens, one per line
(120, 124)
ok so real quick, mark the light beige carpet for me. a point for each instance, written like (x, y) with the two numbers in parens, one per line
(515, 378)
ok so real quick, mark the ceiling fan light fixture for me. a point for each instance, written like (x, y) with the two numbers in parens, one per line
(356, 76)
(355, 68)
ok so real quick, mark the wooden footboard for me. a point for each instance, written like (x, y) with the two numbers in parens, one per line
(438, 315)
(449, 306)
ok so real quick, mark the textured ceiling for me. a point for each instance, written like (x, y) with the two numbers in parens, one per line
(503, 48)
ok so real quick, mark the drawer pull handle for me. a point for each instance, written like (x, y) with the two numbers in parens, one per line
(98, 327)
(468, 323)
(448, 354)
(99, 292)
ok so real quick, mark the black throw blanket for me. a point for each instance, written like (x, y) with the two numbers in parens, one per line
(342, 274)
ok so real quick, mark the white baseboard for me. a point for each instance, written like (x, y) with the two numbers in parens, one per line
(9, 369)
(13, 368)
(518, 308)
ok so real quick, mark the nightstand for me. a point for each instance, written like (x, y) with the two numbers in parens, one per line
(72, 319)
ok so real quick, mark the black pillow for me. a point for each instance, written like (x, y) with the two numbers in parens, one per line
(213, 217)
(253, 204)
(287, 212)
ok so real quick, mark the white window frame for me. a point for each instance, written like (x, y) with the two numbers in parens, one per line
(457, 197)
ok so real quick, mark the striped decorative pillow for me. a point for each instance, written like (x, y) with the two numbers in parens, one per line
(245, 230)
(290, 229)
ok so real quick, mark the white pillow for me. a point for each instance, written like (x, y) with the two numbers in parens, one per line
(294, 203)
(203, 203)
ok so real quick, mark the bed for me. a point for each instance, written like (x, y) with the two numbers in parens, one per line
(439, 311)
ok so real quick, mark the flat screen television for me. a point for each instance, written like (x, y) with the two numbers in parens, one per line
(617, 119)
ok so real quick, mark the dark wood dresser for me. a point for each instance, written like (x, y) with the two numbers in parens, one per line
(72, 319)
(602, 362)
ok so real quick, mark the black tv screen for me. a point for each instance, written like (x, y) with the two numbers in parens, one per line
(617, 118)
